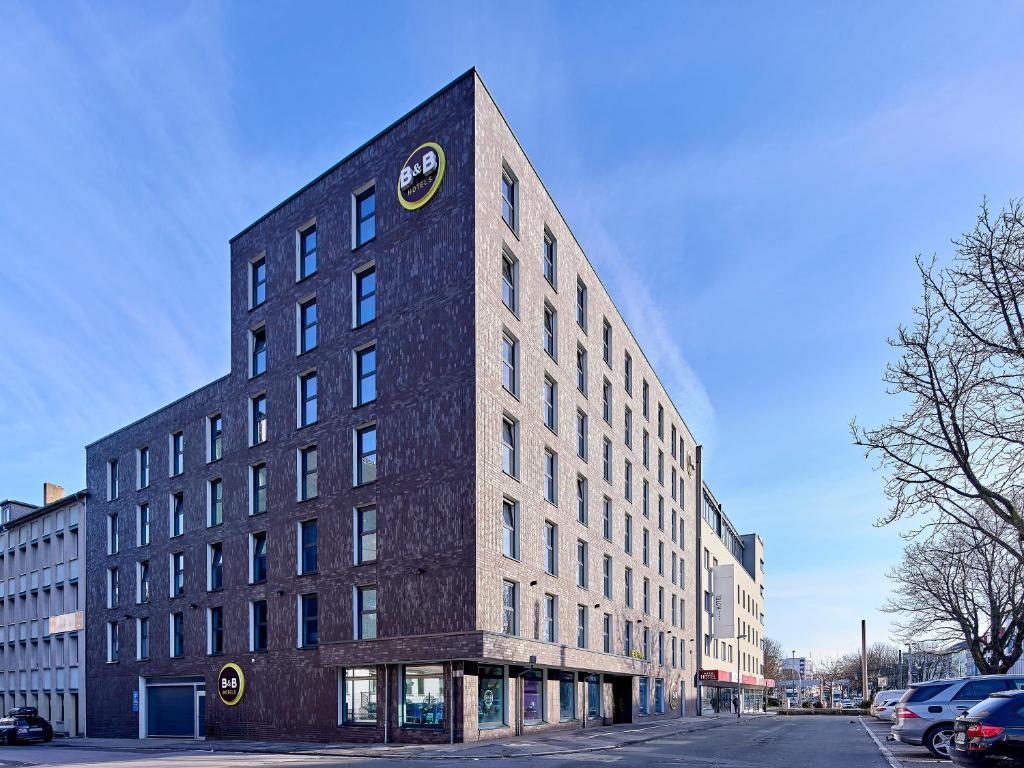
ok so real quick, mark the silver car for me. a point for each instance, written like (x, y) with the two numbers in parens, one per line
(925, 713)
(885, 703)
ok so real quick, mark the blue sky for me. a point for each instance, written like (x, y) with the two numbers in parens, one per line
(753, 181)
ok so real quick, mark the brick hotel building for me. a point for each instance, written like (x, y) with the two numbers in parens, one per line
(440, 495)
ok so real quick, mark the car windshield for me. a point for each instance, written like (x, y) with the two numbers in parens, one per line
(924, 692)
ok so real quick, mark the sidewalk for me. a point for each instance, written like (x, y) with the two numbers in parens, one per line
(553, 743)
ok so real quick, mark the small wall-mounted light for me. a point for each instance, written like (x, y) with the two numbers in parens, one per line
(533, 583)
(193, 606)
(421, 570)
(280, 592)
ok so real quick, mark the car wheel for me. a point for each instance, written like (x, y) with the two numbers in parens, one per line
(939, 739)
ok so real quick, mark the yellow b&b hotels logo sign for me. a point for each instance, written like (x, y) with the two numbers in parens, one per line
(421, 176)
(230, 684)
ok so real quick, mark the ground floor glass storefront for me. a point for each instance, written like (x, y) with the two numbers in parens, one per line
(721, 700)
(533, 697)
(359, 696)
(423, 695)
(491, 696)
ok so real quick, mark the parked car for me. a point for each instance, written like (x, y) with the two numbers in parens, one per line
(925, 713)
(882, 705)
(23, 725)
(991, 733)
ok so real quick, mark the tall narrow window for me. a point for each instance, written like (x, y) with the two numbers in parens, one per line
(510, 281)
(308, 473)
(646, 399)
(606, 631)
(606, 401)
(177, 514)
(257, 558)
(309, 535)
(365, 296)
(510, 447)
(113, 534)
(581, 435)
(258, 282)
(113, 588)
(606, 576)
(308, 386)
(309, 635)
(215, 577)
(645, 449)
(215, 617)
(627, 373)
(177, 574)
(606, 342)
(509, 195)
(582, 511)
(628, 541)
(366, 375)
(581, 564)
(581, 626)
(581, 305)
(259, 419)
(510, 529)
(661, 422)
(307, 325)
(142, 631)
(550, 260)
(550, 404)
(366, 216)
(112, 482)
(606, 518)
(257, 489)
(366, 613)
(215, 428)
(216, 502)
(366, 535)
(550, 620)
(510, 363)
(550, 332)
(307, 252)
(627, 586)
(177, 453)
(509, 606)
(551, 476)
(366, 454)
(606, 459)
(143, 468)
(581, 369)
(144, 525)
(259, 625)
(258, 340)
(144, 582)
(551, 548)
(627, 479)
(113, 642)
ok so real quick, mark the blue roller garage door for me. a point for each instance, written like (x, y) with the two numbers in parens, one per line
(171, 710)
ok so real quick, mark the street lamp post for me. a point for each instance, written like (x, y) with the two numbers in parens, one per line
(739, 685)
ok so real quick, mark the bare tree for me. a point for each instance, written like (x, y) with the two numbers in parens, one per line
(960, 586)
(829, 671)
(956, 453)
(772, 650)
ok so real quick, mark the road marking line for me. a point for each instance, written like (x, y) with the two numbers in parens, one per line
(886, 753)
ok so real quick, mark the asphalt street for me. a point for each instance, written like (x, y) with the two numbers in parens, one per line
(771, 742)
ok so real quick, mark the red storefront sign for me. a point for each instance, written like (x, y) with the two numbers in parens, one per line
(715, 675)
(749, 679)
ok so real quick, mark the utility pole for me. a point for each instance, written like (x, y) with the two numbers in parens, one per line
(864, 658)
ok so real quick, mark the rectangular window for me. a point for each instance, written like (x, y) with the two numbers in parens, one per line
(359, 696)
(215, 432)
(177, 453)
(215, 630)
(309, 624)
(112, 482)
(309, 541)
(647, 547)
(309, 386)
(258, 282)
(627, 639)
(581, 435)
(646, 449)
(659, 688)
(142, 633)
(113, 588)
(177, 514)
(366, 216)
(113, 534)
(177, 574)
(550, 404)
(566, 693)
(143, 468)
(646, 399)
(628, 586)
(551, 548)
(550, 331)
(606, 460)
(215, 576)
(364, 296)
(366, 535)
(661, 603)
(627, 373)
(509, 607)
(606, 518)
(550, 260)
(628, 542)
(644, 694)
(510, 447)
(582, 512)
(581, 305)
(510, 529)
(510, 363)
(308, 473)
(606, 401)
(423, 696)
(258, 343)
(215, 495)
(606, 576)
(258, 625)
(628, 480)
(661, 422)
(628, 427)
(257, 489)
(258, 418)
(646, 596)
(365, 375)
(257, 557)
(510, 281)
(606, 342)
(581, 564)
(581, 626)
(509, 198)
(491, 695)
(307, 326)
(307, 252)
(551, 476)
(113, 642)
(645, 498)
(581, 370)
(366, 613)
(366, 454)
(177, 635)
(606, 633)
(550, 619)
(661, 558)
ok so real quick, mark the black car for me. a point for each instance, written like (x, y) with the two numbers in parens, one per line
(23, 725)
(991, 733)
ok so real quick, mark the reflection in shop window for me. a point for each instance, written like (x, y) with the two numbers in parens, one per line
(659, 696)
(643, 695)
(492, 696)
(359, 696)
(566, 696)
(593, 697)
(423, 696)
(533, 697)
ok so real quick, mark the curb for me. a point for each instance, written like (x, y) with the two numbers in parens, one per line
(391, 753)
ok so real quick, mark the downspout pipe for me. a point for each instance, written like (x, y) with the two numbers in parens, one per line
(699, 640)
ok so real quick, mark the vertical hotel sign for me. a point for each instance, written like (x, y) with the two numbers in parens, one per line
(421, 176)
(724, 608)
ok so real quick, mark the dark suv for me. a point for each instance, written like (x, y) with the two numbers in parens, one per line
(23, 725)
